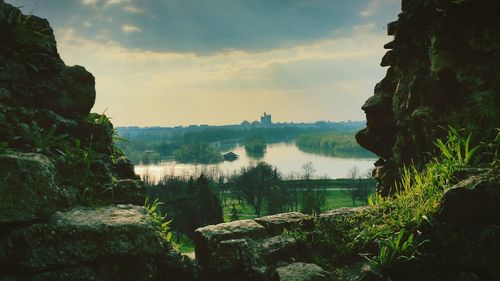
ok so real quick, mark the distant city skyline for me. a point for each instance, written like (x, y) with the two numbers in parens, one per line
(181, 62)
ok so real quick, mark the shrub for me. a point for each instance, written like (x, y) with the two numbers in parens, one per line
(160, 221)
(77, 170)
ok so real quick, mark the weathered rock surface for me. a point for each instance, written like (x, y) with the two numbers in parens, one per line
(464, 237)
(207, 238)
(28, 188)
(301, 272)
(54, 153)
(275, 224)
(249, 249)
(443, 70)
(100, 242)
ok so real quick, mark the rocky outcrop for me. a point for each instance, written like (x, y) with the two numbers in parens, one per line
(110, 243)
(28, 188)
(248, 249)
(464, 239)
(443, 71)
(61, 175)
(301, 272)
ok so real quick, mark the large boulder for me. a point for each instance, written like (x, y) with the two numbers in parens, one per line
(69, 92)
(28, 188)
(108, 242)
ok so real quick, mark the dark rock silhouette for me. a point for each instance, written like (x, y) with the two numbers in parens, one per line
(443, 71)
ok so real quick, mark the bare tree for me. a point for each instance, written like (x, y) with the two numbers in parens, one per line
(358, 188)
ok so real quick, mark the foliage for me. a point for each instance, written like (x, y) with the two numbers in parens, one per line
(77, 170)
(277, 200)
(105, 122)
(255, 147)
(235, 212)
(358, 189)
(44, 141)
(3, 146)
(389, 230)
(254, 184)
(456, 148)
(164, 141)
(198, 153)
(331, 143)
(160, 221)
(395, 253)
(312, 201)
(190, 203)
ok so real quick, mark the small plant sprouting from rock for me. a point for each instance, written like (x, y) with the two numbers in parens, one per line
(160, 222)
(104, 120)
(44, 141)
(78, 170)
(395, 251)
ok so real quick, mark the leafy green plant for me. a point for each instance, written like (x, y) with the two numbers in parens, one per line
(78, 170)
(160, 222)
(395, 251)
(105, 121)
(456, 148)
(44, 141)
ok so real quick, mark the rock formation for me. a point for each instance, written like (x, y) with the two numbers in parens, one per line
(56, 156)
(444, 70)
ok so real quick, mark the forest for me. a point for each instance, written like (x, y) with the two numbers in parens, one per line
(205, 146)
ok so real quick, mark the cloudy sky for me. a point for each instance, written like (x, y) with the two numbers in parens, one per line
(179, 62)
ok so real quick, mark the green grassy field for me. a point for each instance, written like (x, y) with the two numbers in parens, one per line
(334, 199)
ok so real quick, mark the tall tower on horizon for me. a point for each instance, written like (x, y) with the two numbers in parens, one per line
(266, 119)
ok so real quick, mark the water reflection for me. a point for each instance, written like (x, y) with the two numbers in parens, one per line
(286, 156)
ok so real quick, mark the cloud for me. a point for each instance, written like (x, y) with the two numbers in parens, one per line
(89, 2)
(133, 9)
(87, 24)
(371, 8)
(130, 28)
(323, 79)
(113, 2)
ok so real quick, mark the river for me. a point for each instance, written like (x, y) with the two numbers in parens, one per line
(285, 156)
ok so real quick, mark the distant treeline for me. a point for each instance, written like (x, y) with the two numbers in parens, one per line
(331, 143)
(202, 146)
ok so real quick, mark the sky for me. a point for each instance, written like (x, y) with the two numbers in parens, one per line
(180, 62)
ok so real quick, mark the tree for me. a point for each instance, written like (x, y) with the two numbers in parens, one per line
(254, 184)
(358, 188)
(277, 200)
(235, 212)
(308, 169)
(312, 201)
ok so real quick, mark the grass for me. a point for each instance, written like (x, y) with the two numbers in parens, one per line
(389, 233)
(334, 199)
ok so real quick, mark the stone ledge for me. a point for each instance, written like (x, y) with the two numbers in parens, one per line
(81, 235)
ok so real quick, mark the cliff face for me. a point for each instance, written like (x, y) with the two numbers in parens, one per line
(61, 175)
(444, 70)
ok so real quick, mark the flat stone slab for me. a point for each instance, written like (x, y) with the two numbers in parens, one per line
(276, 224)
(28, 189)
(341, 213)
(300, 271)
(81, 235)
(207, 238)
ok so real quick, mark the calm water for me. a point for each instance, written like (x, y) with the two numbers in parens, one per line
(287, 157)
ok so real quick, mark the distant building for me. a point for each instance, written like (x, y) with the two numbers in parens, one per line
(230, 156)
(266, 119)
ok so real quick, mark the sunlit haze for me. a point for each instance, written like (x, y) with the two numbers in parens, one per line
(180, 62)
